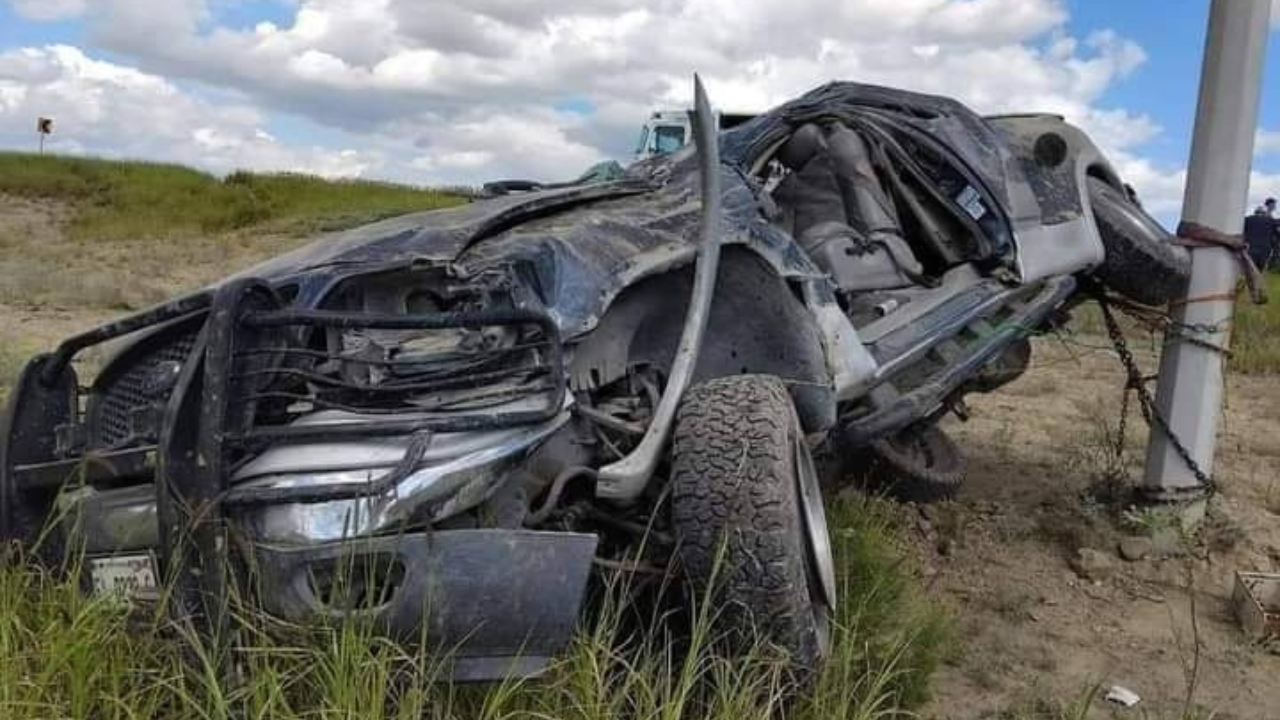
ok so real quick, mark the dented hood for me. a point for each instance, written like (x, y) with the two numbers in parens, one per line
(575, 248)
(578, 246)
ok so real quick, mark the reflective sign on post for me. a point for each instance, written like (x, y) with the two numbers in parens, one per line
(44, 126)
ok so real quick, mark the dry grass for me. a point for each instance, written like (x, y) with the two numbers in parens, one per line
(66, 655)
(61, 272)
(13, 356)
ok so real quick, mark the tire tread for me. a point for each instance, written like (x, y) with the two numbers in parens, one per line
(733, 481)
(1141, 262)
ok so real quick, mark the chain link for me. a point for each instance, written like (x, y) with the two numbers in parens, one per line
(1136, 384)
(1157, 321)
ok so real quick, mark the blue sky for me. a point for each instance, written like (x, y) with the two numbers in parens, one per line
(1172, 34)
(16, 31)
(462, 91)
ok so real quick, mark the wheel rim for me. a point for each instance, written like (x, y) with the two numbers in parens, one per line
(822, 567)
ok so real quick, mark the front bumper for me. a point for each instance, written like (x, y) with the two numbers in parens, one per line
(494, 603)
(497, 601)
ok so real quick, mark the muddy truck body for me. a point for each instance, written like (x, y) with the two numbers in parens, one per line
(443, 420)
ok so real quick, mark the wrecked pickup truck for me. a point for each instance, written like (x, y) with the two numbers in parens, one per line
(469, 407)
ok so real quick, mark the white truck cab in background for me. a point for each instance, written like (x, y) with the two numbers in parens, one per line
(669, 130)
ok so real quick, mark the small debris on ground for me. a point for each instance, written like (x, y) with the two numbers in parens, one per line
(1122, 696)
(1091, 564)
(1134, 549)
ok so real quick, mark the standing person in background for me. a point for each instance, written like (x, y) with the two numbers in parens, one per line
(1262, 233)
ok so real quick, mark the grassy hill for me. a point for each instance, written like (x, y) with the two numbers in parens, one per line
(117, 200)
(85, 239)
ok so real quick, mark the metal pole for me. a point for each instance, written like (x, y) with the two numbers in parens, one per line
(1189, 393)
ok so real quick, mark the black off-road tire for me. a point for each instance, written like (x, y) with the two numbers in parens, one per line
(1142, 263)
(920, 465)
(737, 511)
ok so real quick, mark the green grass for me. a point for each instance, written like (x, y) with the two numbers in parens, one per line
(65, 655)
(1255, 342)
(1255, 335)
(137, 200)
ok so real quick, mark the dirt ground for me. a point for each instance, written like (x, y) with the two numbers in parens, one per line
(1033, 632)
(52, 286)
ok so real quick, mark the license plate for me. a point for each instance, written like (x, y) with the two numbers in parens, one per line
(129, 576)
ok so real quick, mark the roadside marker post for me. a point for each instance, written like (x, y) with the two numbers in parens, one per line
(1189, 392)
(44, 126)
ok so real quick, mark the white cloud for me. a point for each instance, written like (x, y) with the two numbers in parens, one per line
(107, 109)
(462, 90)
(1263, 185)
(461, 51)
(1267, 142)
(393, 59)
(538, 145)
(1159, 189)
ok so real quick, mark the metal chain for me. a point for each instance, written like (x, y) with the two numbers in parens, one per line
(1137, 385)
(1192, 340)
(1122, 427)
(1188, 332)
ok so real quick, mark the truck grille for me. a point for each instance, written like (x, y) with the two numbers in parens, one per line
(129, 396)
